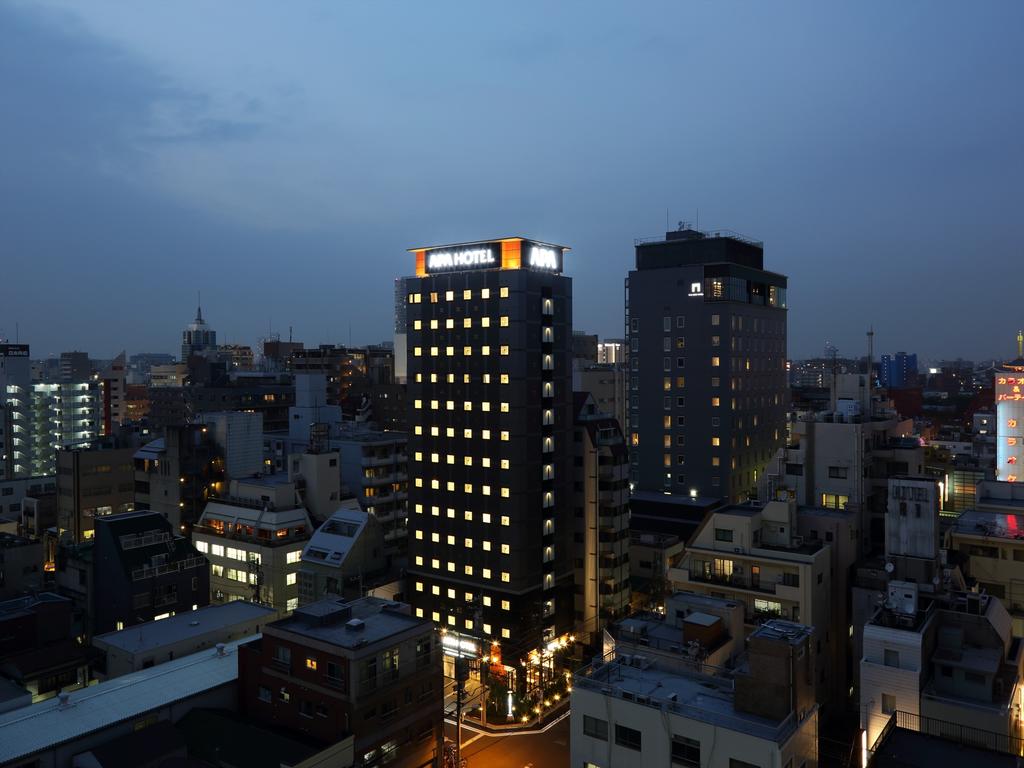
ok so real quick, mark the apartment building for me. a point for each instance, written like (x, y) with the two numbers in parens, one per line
(630, 709)
(254, 537)
(365, 667)
(601, 536)
(752, 555)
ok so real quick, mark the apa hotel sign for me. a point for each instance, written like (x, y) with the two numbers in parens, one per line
(506, 253)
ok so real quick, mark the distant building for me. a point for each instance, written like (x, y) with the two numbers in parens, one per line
(113, 381)
(644, 708)
(140, 364)
(169, 375)
(365, 667)
(16, 440)
(157, 642)
(197, 338)
(898, 371)
(608, 384)
(239, 357)
(239, 439)
(90, 484)
(584, 346)
(612, 352)
(177, 474)
(75, 366)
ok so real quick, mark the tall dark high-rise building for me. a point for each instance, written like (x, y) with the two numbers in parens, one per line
(707, 335)
(490, 444)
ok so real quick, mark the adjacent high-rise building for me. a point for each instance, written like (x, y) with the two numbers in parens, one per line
(490, 444)
(706, 325)
(15, 411)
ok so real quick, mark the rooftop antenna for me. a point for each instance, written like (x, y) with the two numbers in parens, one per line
(696, 225)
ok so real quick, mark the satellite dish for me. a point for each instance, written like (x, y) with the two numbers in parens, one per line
(889, 567)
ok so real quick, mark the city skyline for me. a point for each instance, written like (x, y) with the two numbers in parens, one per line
(876, 176)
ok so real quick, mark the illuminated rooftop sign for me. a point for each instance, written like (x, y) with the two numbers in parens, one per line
(507, 253)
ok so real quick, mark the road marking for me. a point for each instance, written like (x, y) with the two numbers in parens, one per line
(478, 736)
(466, 726)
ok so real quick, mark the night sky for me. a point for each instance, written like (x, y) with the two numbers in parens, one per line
(281, 157)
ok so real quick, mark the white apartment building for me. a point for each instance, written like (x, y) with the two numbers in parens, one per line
(633, 710)
(254, 540)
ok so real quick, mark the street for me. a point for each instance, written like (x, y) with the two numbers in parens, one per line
(549, 749)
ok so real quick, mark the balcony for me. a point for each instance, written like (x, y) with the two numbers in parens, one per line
(735, 581)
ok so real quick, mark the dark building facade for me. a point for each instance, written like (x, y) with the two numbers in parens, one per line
(490, 425)
(706, 325)
(364, 667)
(135, 569)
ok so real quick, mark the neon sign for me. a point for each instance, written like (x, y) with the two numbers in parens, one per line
(696, 288)
(438, 261)
(543, 258)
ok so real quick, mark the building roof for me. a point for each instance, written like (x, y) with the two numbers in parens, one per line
(32, 729)
(332, 541)
(183, 626)
(906, 748)
(11, 540)
(23, 605)
(255, 516)
(352, 624)
(996, 525)
(219, 737)
(693, 696)
(152, 450)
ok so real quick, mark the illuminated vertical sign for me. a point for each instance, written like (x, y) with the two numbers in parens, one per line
(1009, 395)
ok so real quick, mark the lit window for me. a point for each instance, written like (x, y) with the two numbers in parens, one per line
(290, 579)
(467, 322)
(467, 543)
(435, 590)
(506, 605)
(715, 441)
(449, 295)
(485, 322)
(435, 616)
(415, 298)
(485, 517)
(485, 406)
(506, 576)
(504, 321)
(469, 623)
(419, 534)
(505, 436)
(419, 559)
(487, 629)
(506, 520)
(485, 293)
(419, 378)
(487, 601)
(417, 325)
(451, 621)
(434, 458)
(504, 378)
(467, 515)
(435, 563)
(503, 350)
(467, 295)
(434, 431)
(468, 461)
(485, 490)
(450, 351)
(506, 633)
(449, 458)
(450, 513)
(485, 462)
(715, 402)
(449, 432)
(417, 351)
(451, 566)
(505, 464)
(486, 573)
(715, 362)
(433, 325)
(503, 292)
(486, 545)
(417, 403)
(419, 613)
(485, 350)
(506, 549)
(467, 405)
(505, 408)
(468, 570)
(451, 594)
(450, 405)
(485, 434)
(433, 351)
(417, 430)
(451, 540)
(505, 493)
(449, 323)
(467, 351)
(435, 537)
